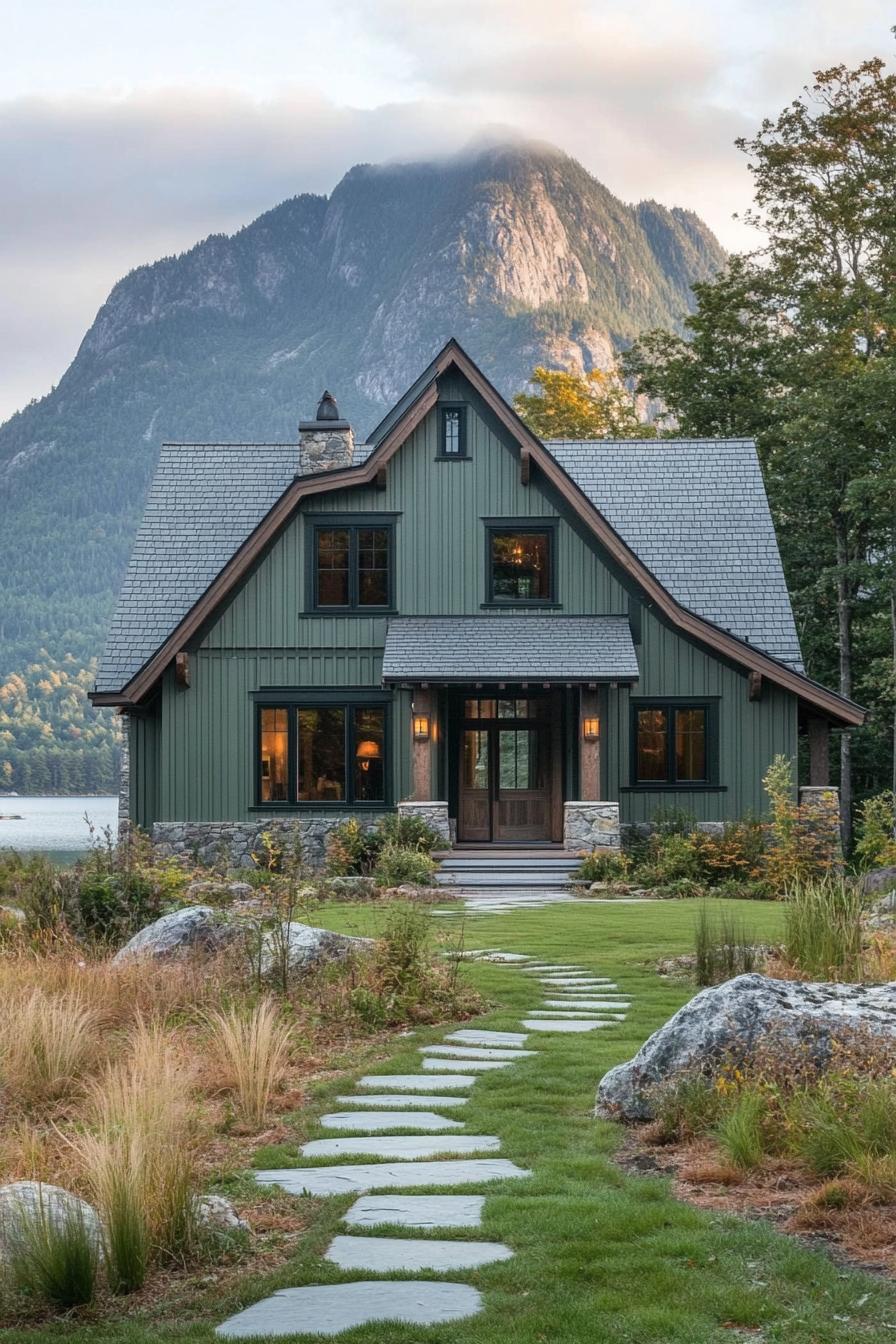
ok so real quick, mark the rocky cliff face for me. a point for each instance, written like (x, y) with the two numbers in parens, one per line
(519, 253)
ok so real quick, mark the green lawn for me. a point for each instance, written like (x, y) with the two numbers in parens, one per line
(599, 1256)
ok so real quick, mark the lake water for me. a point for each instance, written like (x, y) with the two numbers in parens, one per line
(54, 826)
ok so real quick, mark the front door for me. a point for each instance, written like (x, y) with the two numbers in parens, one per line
(506, 770)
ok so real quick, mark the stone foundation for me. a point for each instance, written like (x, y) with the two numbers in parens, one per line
(588, 826)
(124, 779)
(231, 843)
(820, 815)
(632, 831)
(434, 814)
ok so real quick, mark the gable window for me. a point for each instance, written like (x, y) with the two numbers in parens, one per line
(453, 431)
(520, 564)
(673, 745)
(322, 752)
(351, 565)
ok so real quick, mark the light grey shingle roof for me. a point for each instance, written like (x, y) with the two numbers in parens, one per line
(515, 646)
(695, 511)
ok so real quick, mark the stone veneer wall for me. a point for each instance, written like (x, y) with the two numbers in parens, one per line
(588, 826)
(124, 778)
(820, 814)
(233, 841)
(434, 814)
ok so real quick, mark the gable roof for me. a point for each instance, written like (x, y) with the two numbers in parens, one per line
(171, 583)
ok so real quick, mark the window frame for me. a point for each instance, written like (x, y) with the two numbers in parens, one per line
(348, 700)
(353, 523)
(550, 528)
(462, 454)
(670, 706)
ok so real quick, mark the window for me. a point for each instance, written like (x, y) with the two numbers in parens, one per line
(671, 745)
(453, 431)
(351, 565)
(520, 567)
(319, 753)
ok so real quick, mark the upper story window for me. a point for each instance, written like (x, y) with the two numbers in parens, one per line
(351, 565)
(520, 563)
(673, 745)
(452, 431)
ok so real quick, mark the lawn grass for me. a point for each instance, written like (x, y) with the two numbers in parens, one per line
(600, 1256)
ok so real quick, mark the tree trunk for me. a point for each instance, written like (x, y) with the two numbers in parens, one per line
(844, 636)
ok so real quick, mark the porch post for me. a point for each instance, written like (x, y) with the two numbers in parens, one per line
(421, 748)
(589, 751)
(819, 755)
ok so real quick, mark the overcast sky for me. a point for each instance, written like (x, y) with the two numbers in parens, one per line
(129, 131)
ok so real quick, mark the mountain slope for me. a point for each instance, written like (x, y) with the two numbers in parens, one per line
(518, 252)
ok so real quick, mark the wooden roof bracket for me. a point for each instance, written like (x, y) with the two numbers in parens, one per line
(525, 466)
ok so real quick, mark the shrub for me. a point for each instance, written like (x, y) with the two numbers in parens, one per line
(602, 865)
(409, 832)
(396, 866)
(740, 1130)
(737, 855)
(876, 844)
(52, 1254)
(252, 1050)
(687, 1107)
(722, 946)
(670, 856)
(841, 1123)
(353, 851)
(798, 849)
(823, 929)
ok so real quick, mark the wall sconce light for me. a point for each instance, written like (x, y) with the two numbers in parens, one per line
(591, 728)
(421, 727)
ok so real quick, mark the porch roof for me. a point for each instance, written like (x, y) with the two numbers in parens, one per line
(509, 646)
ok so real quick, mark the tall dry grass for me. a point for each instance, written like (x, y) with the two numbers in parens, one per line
(47, 1044)
(252, 1050)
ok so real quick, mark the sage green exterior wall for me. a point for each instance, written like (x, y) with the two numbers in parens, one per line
(197, 757)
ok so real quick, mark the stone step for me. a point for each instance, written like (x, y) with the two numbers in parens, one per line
(476, 1052)
(330, 1309)
(404, 1147)
(410, 1102)
(415, 1082)
(603, 1018)
(384, 1255)
(416, 1211)
(466, 1065)
(587, 1003)
(543, 1024)
(375, 1121)
(361, 1177)
(471, 1036)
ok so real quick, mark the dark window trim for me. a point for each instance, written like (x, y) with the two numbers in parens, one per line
(462, 455)
(353, 522)
(670, 703)
(549, 526)
(293, 700)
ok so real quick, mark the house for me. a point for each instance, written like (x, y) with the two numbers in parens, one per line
(528, 642)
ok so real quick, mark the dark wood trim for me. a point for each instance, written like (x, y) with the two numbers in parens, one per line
(841, 710)
(525, 466)
(819, 751)
(182, 669)
(754, 682)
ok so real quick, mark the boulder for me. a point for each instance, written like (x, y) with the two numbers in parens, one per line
(23, 1200)
(195, 929)
(307, 947)
(11, 915)
(222, 892)
(879, 882)
(728, 1020)
(351, 888)
(218, 1214)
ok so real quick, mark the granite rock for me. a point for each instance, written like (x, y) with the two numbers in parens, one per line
(192, 930)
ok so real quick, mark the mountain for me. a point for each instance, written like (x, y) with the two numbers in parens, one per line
(517, 251)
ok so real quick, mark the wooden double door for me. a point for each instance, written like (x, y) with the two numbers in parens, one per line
(508, 778)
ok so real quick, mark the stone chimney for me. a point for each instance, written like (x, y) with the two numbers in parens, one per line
(326, 442)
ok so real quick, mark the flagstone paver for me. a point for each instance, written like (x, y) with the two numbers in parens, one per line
(361, 1177)
(477, 1051)
(466, 1065)
(415, 1082)
(383, 1120)
(408, 1101)
(564, 1024)
(613, 1005)
(386, 1254)
(473, 1037)
(405, 1146)
(332, 1308)
(416, 1211)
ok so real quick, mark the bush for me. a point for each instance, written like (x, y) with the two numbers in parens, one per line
(353, 851)
(396, 866)
(723, 948)
(843, 1122)
(823, 929)
(45, 1045)
(408, 832)
(52, 1254)
(876, 844)
(735, 856)
(671, 856)
(602, 865)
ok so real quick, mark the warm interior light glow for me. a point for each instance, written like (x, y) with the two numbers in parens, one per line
(591, 728)
(421, 727)
(366, 752)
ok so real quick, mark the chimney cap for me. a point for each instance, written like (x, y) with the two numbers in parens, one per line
(327, 408)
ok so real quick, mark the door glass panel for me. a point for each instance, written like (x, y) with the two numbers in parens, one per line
(651, 745)
(518, 763)
(370, 748)
(475, 759)
(690, 744)
(274, 755)
(321, 755)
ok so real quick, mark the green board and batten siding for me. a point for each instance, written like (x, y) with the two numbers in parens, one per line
(196, 750)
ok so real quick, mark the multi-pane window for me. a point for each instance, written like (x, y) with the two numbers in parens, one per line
(352, 566)
(671, 744)
(453, 431)
(520, 564)
(322, 753)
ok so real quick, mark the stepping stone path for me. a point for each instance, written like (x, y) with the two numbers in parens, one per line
(377, 1116)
